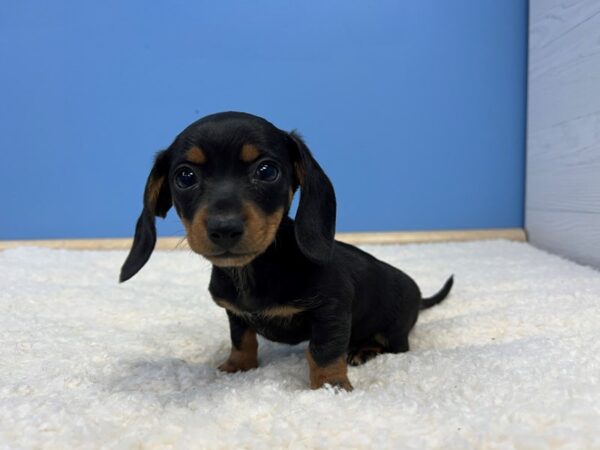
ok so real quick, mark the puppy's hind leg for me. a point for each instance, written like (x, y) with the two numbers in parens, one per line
(396, 341)
(395, 336)
(392, 341)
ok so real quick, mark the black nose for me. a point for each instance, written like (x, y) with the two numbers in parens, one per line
(225, 231)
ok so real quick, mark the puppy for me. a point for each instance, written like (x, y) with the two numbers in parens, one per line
(231, 178)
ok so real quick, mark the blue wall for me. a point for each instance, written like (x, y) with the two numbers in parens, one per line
(415, 108)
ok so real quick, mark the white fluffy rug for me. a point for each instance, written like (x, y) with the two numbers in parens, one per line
(510, 360)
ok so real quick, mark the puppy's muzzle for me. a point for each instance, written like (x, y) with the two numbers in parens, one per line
(225, 231)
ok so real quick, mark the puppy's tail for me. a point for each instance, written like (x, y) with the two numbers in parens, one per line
(441, 295)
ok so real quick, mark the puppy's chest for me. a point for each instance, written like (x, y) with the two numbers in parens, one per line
(255, 308)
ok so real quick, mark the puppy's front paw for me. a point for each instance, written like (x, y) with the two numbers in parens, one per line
(343, 383)
(335, 373)
(243, 355)
(231, 366)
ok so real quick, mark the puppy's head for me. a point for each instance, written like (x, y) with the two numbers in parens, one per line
(231, 178)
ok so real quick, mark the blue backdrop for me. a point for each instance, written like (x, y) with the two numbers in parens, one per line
(416, 109)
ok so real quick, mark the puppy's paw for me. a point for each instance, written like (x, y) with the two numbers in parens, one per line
(341, 383)
(362, 355)
(231, 366)
(335, 373)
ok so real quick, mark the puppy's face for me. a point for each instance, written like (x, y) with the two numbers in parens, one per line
(231, 177)
(231, 183)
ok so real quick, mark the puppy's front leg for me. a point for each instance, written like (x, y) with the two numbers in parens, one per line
(244, 347)
(326, 353)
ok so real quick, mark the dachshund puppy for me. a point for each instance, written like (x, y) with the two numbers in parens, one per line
(231, 177)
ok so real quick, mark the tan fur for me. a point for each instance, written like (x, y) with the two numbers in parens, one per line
(228, 305)
(195, 231)
(335, 374)
(260, 227)
(245, 357)
(249, 153)
(260, 230)
(276, 311)
(196, 155)
(153, 191)
(281, 311)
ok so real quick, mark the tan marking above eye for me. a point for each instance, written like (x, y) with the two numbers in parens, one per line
(196, 155)
(249, 153)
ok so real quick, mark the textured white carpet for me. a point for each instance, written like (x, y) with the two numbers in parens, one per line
(510, 359)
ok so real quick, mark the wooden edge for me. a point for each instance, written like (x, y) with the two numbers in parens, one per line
(412, 237)
(399, 237)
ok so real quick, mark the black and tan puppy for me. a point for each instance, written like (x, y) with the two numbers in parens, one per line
(231, 177)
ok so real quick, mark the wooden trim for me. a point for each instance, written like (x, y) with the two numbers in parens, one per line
(412, 237)
(385, 237)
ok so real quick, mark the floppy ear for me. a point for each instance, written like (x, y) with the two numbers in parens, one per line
(315, 217)
(157, 201)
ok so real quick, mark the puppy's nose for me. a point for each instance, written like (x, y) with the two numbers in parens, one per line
(225, 231)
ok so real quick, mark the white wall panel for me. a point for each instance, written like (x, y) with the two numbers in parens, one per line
(563, 142)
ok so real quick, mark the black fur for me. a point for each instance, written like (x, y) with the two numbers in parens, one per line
(344, 299)
(145, 229)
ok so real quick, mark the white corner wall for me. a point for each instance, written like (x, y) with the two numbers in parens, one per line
(562, 210)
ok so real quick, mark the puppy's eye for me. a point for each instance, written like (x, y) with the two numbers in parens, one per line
(266, 172)
(185, 178)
